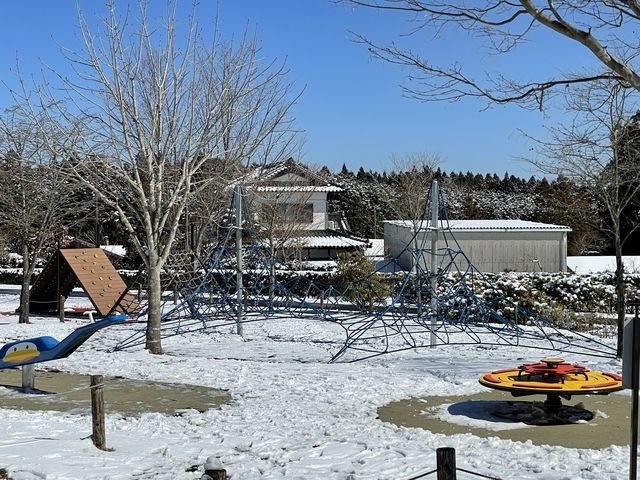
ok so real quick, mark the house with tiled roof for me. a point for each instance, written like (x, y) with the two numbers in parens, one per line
(291, 201)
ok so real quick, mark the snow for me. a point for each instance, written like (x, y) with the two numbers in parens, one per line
(293, 177)
(327, 240)
(213, 463)
(488, 225)
(602, 263)
(299, 188)
(376, 250)
(293, 416)
(119, 250)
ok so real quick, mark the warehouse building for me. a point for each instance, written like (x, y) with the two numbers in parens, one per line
(490, 245)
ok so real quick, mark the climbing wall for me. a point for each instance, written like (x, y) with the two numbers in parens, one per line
(98, 278)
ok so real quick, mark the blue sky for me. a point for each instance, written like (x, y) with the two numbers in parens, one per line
(352, 110)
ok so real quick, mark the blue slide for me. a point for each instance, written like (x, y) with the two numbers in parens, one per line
(44, 349)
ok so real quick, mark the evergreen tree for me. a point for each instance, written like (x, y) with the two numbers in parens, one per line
(345, 171)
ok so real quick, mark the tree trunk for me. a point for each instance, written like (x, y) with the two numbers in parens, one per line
(27, 272)
(272, 278)
(417, 279)
(154, 313)
(620, 293)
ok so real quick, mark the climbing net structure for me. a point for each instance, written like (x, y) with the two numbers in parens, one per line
(241, 280)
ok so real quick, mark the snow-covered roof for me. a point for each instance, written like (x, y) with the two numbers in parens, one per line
(268, 172)
(329, 239)
(115, 249)
(263, 175)
(332, 241)
(299, 188)
(376, 249)
(485, 225)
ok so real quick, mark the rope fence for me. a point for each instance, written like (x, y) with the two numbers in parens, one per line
(446, 467)
(98, 436)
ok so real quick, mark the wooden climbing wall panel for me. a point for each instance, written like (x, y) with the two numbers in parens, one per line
(97, 276)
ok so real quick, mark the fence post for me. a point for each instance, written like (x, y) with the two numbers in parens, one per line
(97, 412)
(213, 470)
(61, 301)
(446, 463)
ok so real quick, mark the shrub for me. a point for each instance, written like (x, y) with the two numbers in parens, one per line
(357, 281)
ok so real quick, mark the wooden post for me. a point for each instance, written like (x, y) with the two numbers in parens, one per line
(175, 296)
(214, 475)
(61, 300)
(97, 412)
(446, 463)
(213, 470)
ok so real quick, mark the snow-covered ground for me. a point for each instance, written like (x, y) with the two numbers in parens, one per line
(293, 416)
(602, 263)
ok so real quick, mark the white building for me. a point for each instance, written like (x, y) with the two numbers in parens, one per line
(490, 245)
(297, 200)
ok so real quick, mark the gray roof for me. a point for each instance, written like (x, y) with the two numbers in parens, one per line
(328, 239)
(299, 188)
(263, 178)
(485, 225)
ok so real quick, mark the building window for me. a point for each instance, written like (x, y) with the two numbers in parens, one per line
(288, 212)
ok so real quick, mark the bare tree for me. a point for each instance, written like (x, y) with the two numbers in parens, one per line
(578, 206)
(148, 106)
(284, 212)
(414, 173)
(600, 149)
(282, 217)
(206, 213)
(606, 30)
(36, 201)
(207, 209)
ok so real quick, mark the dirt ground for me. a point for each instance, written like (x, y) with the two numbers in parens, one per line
(610, 425)
(65, 392)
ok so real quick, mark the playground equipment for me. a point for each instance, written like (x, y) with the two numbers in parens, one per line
(25, 353)
(241, 281)
(91, 269)
(552, 377)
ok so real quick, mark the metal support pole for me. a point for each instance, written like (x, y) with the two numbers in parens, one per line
(635, 384)
(28, 377)
(435, 224)
(417, 273)
(239, 292)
